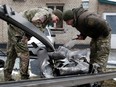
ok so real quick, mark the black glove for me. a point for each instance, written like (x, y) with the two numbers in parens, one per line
(18, 38)
(28, 36)
(1, 63)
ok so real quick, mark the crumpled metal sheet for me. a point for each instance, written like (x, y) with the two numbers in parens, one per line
(47, 69)
(73, 63)
(79, 67)
(44, 64)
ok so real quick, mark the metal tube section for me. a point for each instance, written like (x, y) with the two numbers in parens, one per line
(63, 81)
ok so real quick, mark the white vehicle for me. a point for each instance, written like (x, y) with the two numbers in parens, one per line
(47, 33)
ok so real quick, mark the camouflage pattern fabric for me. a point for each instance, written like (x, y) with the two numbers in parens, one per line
(100, 49)
(41, 14)
(16, 47)
(17, 43)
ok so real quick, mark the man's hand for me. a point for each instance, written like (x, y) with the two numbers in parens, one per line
(79, 37)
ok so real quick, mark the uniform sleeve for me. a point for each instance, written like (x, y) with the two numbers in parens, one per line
(41, 15)
(37, 16)
(97, 24)
(29, 14)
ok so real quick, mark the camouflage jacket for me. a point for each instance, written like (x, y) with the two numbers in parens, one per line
(43, 14)
(90, 24)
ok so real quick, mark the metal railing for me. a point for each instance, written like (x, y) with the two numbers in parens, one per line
(62, 81)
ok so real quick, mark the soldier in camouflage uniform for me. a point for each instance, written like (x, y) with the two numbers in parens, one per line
(17, 39)
(90, 24)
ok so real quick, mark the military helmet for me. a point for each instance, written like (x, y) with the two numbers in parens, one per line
(68, 15)
(58, 13)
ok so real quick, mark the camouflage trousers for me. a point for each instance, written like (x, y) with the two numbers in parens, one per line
(99, 51)
(14, 50)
